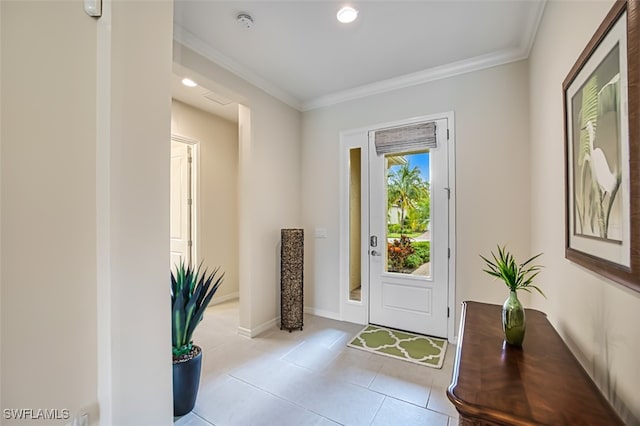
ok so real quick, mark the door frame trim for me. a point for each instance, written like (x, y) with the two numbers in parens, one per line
(452, 304)
(195, 192)
(353, 311)
(358, 312)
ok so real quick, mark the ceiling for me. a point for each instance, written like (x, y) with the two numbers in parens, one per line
(212, 101)
(298, 52)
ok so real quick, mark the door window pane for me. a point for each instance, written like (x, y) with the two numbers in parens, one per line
(355, 227)
(408, 213)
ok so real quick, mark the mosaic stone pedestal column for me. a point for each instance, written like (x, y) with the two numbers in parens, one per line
(291, 279)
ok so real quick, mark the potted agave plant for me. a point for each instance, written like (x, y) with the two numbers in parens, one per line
(517, 277)
(191, 291)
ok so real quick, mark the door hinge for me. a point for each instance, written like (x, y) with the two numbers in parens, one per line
(190, 243)
(447, 134)
(190, 201)
(448, 253)
(448, 193)
(448, 313)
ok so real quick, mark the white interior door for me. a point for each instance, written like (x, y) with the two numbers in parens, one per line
(181, 240)
(410, 294)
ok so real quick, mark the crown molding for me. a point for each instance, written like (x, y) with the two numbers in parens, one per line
(188, 39)
(408, 80)
(438, 73)
(477, 63)
(533, 26)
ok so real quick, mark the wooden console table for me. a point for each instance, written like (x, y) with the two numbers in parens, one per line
(541, 383)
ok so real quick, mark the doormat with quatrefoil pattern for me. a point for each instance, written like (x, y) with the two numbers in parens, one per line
(422, 350)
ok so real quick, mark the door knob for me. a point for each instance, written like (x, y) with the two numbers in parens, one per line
(375, 253)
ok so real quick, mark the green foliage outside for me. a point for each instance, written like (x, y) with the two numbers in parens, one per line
(410, 235)
(409, 192)
(398, 252)
(393, 230)
(418, 218)
(405, 255)
(422, 249)
(413, 261)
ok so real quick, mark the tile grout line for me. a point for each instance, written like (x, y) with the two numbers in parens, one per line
(337, 345)
(282, 399)
(378, 410)
(203, 419)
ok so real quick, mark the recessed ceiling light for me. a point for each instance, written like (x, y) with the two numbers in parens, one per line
(347, 14)
(188, 82)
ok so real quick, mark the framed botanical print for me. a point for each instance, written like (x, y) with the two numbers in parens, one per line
(601, 106)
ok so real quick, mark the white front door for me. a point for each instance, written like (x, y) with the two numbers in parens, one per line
(409, 237)
(180, 205)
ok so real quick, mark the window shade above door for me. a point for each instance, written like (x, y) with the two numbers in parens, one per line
(414, 137)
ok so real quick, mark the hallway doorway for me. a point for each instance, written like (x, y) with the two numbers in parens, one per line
(204, 183)
(182, 201)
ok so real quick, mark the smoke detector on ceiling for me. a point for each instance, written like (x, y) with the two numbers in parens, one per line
(245, 20)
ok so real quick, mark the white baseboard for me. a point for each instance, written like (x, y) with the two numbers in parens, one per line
(244, 332)
(253, 332)
(322, 313)
(225, 298)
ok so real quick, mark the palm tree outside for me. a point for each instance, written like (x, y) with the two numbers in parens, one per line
(406, 188)
(408, 214)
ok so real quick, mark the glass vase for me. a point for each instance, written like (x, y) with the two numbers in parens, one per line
(513, 320)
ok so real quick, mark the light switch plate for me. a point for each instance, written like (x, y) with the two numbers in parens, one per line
(321, 233)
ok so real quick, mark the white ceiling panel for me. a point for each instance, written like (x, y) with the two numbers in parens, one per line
(300, 49)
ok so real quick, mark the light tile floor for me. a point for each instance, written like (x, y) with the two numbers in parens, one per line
(310, 377)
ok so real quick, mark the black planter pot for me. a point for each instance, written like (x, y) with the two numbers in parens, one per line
(186, 380)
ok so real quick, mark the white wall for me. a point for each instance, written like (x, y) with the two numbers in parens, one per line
(49, 303)
(596, 317)
(218, 189)
(84, 196)
(269, 185)
(139, 151)
(492, 173)
(1, 403)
